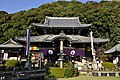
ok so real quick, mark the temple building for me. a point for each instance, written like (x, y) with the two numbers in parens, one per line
(11, 50)
(62, 37)
(115, 52)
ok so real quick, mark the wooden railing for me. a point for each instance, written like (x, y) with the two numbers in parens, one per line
(38, 74)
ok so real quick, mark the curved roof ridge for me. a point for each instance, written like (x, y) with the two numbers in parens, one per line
(113, 49)
(11, 41)
(62, 17)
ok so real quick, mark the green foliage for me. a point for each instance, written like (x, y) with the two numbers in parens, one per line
(71, 72)
(108, 65)
(104, 17)
(11, 63)
(62, 72)
(68, 64)
(56, 72)
(103, 58)
(3, 12)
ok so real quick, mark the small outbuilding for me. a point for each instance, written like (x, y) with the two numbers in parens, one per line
(11, 50)
(115, 51)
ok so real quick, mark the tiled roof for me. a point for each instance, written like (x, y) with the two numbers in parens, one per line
(10, 43)
(62, 22)
(72, 38)
(113, 49)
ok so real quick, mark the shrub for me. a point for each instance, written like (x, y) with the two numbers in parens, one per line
(108, 65)
(76, 73)
(56, 72)
(68, 64)
(11, 63)
(62, 72)
(69, 72)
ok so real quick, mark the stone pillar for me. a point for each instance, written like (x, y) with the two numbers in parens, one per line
(61, 54)
(61, 63)
(94, 64)
(61, 46)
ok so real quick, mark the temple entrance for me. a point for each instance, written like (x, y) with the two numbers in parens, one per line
(69, 53)
(52, 54)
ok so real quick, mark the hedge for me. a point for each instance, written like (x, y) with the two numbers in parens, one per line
(68, 64)
(11, 63)
(62, 72)
(108, 65)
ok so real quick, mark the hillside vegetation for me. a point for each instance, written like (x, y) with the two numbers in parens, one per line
(104, 16)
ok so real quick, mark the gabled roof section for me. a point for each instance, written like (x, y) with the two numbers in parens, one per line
(57, 22)
(10, 44)
(10, 41)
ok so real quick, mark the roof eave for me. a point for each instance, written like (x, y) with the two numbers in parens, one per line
(65, 27)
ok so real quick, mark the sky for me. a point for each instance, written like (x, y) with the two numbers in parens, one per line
(13, 6)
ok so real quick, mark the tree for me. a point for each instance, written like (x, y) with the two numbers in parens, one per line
(104, 17)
